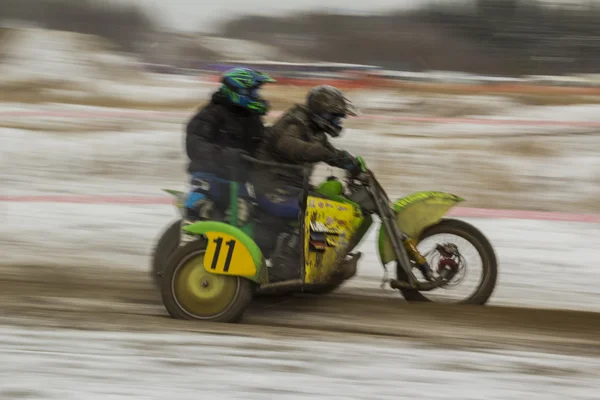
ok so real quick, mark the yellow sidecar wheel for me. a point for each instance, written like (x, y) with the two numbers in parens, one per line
(190, 292)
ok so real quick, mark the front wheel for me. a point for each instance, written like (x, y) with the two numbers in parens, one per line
(465, 237)
(190, 292)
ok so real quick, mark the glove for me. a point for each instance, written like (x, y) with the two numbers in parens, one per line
(344, 160)
(354, 165)
(361, 164)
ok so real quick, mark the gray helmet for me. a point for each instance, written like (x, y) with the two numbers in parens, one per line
(328, 107)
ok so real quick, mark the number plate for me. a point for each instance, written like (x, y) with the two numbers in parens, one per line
(228, 256)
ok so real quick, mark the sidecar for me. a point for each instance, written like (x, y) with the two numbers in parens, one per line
(251, 247)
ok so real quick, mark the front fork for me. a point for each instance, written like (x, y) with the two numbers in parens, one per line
(422, 263)
(409, 249)
(403, 245)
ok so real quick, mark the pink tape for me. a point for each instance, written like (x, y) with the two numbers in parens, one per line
(121, 114)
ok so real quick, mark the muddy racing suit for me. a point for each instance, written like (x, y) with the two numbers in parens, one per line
(293, 139)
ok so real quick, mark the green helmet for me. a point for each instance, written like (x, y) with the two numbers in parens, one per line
(241, 86)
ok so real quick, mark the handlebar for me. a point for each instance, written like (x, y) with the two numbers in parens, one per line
(362, 177)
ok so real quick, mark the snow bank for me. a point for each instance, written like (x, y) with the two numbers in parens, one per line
(75, 67)
(240, 49)
(46, 55)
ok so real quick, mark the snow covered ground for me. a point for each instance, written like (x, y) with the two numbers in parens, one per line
(85, 365)
(551, 165)
(552, 168)
(79, 150)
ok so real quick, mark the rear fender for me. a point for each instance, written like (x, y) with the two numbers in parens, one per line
(179, 197)
(414, 213)
(230, 251)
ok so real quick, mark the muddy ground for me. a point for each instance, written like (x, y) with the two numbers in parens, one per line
(121, 300)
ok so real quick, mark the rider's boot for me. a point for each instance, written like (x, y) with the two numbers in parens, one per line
(284, 263)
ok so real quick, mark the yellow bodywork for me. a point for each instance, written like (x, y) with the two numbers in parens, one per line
(336, 223)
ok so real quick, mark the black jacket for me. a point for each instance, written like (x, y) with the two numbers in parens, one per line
(219, 125)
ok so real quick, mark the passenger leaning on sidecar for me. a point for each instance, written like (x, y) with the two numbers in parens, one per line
(219, 134)
(300, 136)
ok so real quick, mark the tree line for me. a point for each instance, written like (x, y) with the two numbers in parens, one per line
(124, 25)
(509, 37)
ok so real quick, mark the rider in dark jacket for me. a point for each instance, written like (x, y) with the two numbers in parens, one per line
(216, 137)
(300, 137)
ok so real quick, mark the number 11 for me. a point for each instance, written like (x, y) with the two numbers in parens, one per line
(219, 243)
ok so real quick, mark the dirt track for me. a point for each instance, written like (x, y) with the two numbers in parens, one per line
(120, 300)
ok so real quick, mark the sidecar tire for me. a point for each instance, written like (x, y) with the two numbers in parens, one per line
(167, 244)
(223, 299)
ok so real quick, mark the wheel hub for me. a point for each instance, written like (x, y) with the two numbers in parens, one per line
(204, 285)
(447, 268)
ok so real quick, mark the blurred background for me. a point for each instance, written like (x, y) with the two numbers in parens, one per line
(417, 71)
(514, 38)
(497, 101)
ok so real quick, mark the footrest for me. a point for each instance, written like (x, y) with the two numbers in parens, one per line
(347, 268)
